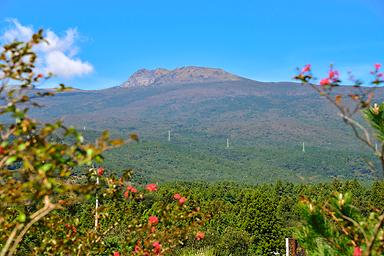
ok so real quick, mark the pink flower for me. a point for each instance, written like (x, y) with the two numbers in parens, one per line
(151, 187)
(306, 68)
(200, 236)
(177, 196)
(182, 200)
(116, 254)
(153, 220)
(377, 66)
(100, 171)
(357, 251)
(325, 81)
(156, 247)
(333, 74)
(132, 189)
(129, 189)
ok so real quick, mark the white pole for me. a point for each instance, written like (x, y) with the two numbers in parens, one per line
(169, 135)
(303, 147)
(287, 246)
(227, 143)
(97, 206)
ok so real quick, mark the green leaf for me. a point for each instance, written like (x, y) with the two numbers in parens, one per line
(22, 217)
(46, 167)
(11, 160)
(21, 146)
(90, 152)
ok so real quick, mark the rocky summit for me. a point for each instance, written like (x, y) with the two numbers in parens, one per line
(183, 75)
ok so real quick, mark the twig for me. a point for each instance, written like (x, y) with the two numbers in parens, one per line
(374, 235)
(48, 207)
(354, 124)
(10, 239)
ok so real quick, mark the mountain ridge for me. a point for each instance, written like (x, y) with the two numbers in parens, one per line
(181, 75)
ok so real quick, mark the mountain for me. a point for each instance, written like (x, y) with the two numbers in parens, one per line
(266, 124)
(183, 75)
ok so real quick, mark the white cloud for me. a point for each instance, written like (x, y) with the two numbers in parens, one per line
(17, 31)
(58, 56)
(60, 64)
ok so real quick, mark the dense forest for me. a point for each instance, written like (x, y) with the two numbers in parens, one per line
(243, 220)
(202, 158)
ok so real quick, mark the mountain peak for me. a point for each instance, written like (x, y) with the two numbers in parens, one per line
(182, 75)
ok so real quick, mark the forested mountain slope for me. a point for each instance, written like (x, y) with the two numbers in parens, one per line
(266, 124)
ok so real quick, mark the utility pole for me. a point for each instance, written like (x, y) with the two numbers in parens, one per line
(97, 201)
(287, 246)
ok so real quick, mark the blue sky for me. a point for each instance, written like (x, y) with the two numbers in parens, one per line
(262, 40)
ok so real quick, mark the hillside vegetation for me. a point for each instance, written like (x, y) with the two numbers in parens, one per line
(266, 124)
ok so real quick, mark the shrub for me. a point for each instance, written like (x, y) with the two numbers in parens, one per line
(41, 197)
